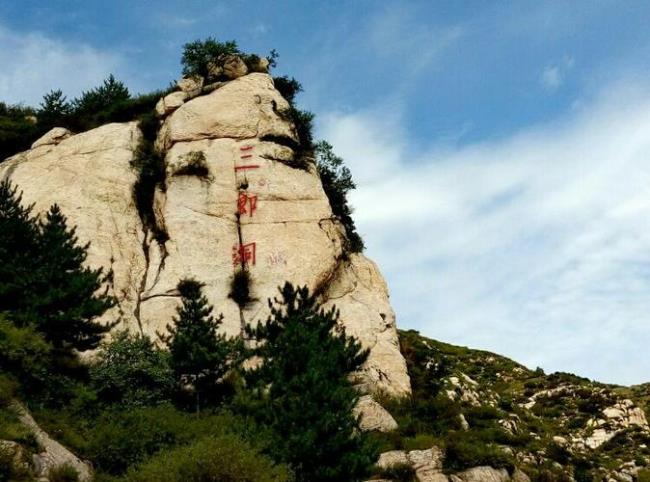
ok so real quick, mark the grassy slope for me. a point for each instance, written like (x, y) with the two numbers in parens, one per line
(492, 394)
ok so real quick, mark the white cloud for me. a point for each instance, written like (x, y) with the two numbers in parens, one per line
(553, 75)
(536, 246)
(33, 64)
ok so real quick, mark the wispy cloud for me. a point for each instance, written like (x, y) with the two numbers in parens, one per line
(554, 74)
(536, 246)
(33, 64)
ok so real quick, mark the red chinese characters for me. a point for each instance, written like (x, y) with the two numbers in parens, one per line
(246, 204)
(243, 254)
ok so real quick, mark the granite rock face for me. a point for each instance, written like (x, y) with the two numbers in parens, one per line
(232, 198)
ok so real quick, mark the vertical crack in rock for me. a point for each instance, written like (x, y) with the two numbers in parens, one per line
(143, 280)
(242, 320)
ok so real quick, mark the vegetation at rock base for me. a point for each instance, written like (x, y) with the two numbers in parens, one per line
(63, 473)
(302, 392)
(127, 410)
(212, 458)
(131, 371)
(50, 299)
(199, 354)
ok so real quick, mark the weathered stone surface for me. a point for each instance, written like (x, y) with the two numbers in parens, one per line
(360, 293)
(261, 65)
(426, 463)
(374, 417)
(52, 137)
(88, 175)
(484, 474)
(245, 108)
(233, 131)
(170, 103)
(192, 86)
(233, 66)
(52, 453)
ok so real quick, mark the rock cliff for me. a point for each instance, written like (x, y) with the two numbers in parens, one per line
(233, 197)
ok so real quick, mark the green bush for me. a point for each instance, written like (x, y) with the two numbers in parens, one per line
(196, 165)
(198, 54)
(63, 473)
(337, 182)
(240, 287)
(25, 354)
(132, 371)
(288, 87)
(11, 469)
(222, 458)
(17, 129)
(643, 475)
(463, 450)
(149, 164)
(120, 439)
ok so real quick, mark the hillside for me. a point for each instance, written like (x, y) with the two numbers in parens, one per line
(483, 409)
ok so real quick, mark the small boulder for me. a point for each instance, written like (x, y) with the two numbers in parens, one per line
(233, 66)
(374, 417)
(192, 85)
(259, 64)
(170, 103)
(52, 137)
(215, 70)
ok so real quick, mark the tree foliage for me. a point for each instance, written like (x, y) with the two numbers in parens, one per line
(197, 55)
(100, 98)
(199, 354)
(55, 108)
(337, 182)
(132, 371)
(18, 129)
(288, 87)
(301, 389)
(43, 280)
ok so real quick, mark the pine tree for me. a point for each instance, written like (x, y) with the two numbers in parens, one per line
(18, 248)
(54, 110)
(102, 97)
(66, 298)
(200, 355)
(301, 389)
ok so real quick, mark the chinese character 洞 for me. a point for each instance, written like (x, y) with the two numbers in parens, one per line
(243, 254)
(246, 204)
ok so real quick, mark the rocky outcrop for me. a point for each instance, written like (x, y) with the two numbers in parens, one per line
(613, 420)
(373, 417)
(51, 453)
(247, 207)
(88, 175)
(428, 467)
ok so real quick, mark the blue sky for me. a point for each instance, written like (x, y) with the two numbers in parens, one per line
(501, 149)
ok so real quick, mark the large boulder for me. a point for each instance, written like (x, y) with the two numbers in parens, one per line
(232, 196)
(89, 176)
